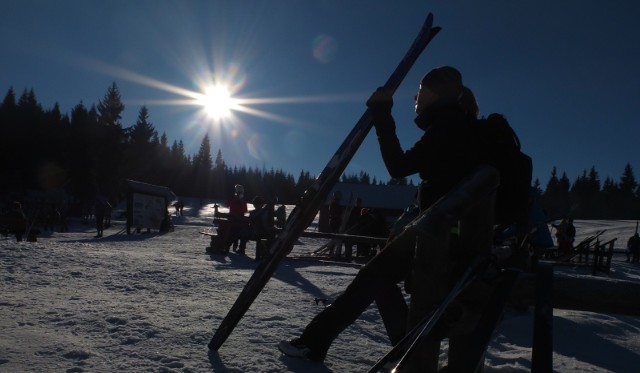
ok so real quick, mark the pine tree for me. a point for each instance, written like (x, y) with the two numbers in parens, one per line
(219, 162)
(610, 193)
(9, 106)
(556, 196)
(627, 203)
(143, 132)
(109, 152)
(11, 173)
(584, 194)
(142, 149)
(202, 168)
(536, 186)
(628, 182)
(111, 107)
(202, 160)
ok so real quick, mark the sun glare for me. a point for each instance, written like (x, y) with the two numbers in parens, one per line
(216, 98)
(217, 102)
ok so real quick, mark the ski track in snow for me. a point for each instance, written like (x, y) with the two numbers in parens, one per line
(151, 302)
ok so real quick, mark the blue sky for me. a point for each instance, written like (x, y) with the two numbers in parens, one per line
(565, 73)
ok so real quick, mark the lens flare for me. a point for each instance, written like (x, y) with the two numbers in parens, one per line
(324, 48)
(256, 148)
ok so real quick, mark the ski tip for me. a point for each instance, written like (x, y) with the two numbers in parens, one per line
(428, 23)
(429, 18)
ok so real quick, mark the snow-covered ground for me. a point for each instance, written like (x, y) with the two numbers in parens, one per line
(151, 302)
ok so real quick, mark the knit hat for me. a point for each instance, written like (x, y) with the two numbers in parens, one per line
(445, 81)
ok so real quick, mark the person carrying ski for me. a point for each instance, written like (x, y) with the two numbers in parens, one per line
(442, 157)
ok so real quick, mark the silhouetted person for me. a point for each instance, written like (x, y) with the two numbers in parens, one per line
(17, 220)
(442, 157)
(99, 208)
(633, 247)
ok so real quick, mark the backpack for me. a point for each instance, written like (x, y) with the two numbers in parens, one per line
(499, 146)
(261, 221)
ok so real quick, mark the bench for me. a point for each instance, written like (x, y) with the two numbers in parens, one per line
(222, 221)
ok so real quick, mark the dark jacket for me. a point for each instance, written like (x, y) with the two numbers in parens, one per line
(442, 156)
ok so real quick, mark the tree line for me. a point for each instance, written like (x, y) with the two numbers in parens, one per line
(589, 198)
(90, 152)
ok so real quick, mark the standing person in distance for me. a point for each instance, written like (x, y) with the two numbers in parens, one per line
(100, 209)
(633, 248)
(237, 209)
(17, 220)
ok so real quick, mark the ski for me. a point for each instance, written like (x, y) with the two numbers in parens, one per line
(476, 344)
(472, 193)
(307, 208)
(327, 261)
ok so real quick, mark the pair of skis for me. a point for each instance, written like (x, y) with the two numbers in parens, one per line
(476, 342)
(307, 208)
(407, 345)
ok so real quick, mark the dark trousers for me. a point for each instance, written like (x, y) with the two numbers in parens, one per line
(376, 281)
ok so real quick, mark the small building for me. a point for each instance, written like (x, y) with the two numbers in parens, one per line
(147, 205)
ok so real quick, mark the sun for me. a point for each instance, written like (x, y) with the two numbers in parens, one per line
(217, 102)
(217, 98)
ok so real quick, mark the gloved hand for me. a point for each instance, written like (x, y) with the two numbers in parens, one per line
(380, 102)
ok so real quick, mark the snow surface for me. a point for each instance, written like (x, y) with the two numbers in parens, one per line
(151, 302)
